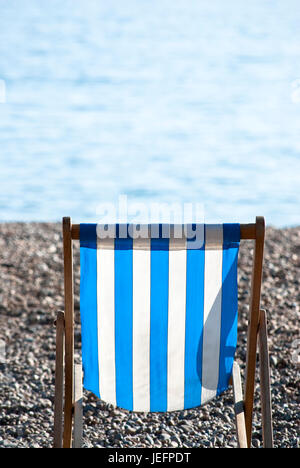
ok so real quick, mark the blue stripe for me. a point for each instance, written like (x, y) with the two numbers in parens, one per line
(194, 327)
(231, 234)
(228, 339)
(88, 307)
(88, 233)
(159, 324)
(123, 322)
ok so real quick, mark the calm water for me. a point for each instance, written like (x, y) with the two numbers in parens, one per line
(162, 100)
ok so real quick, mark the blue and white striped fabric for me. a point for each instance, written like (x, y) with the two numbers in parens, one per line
(159, 318)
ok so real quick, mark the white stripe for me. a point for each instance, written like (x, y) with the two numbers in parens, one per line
(141, 325)
(212, 311)
(106, 319)
(176, 324)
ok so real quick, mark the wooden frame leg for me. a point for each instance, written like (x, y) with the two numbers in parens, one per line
(69, 332)
(78, 412)
(254, 324)
(264, 366)
(239, 406)
(59, 381)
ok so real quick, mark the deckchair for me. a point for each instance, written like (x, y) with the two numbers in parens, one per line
(159, 324)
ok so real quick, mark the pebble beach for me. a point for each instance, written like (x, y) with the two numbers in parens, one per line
(31, 293)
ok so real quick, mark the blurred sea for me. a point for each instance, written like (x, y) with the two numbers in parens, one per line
(162, 100)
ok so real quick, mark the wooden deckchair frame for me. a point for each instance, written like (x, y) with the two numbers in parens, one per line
(68, 378)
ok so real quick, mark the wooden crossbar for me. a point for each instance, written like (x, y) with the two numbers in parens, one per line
(248, 231)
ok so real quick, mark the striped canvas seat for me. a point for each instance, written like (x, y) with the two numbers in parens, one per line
(159, 316)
